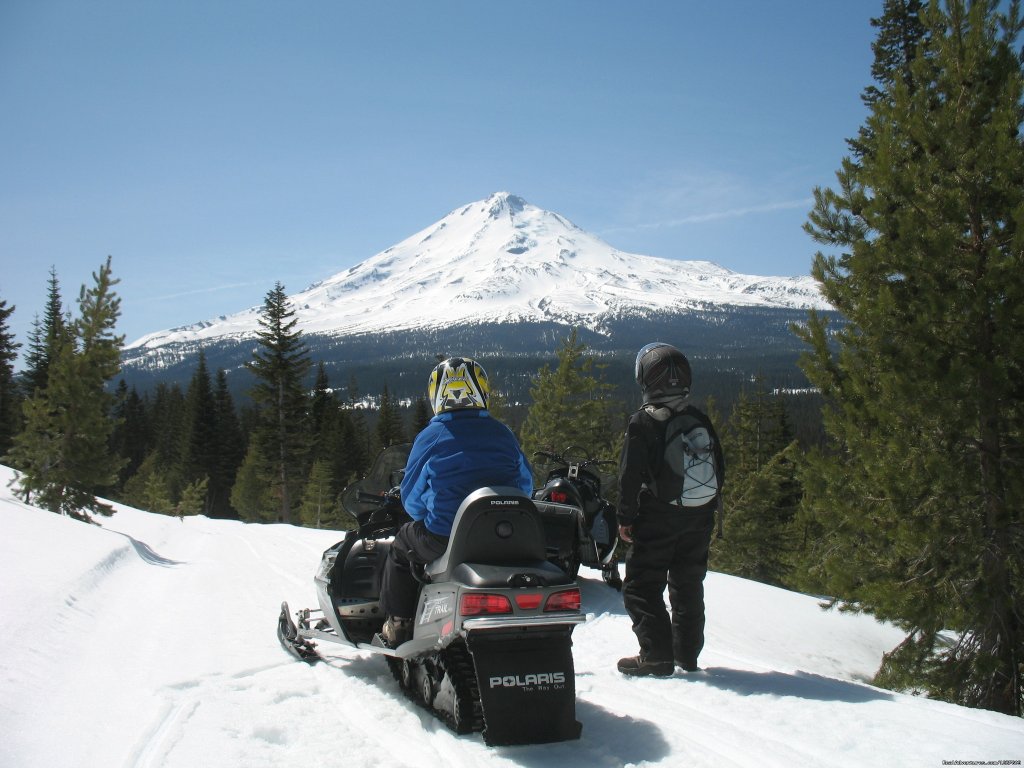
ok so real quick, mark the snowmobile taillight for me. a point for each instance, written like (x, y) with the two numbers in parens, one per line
(528, 601)
(477, 603)
(566, 600)
(559, 497)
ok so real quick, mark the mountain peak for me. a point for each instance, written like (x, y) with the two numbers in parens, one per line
(503, 203)
(503, 260)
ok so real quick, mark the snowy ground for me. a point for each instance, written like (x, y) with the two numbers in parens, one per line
(150, 641)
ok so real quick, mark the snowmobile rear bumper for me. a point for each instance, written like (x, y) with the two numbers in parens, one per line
(529, 622)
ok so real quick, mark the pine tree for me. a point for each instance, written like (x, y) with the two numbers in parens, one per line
(230, 449)
(323, 424)
(358, 442)
(421, 413)
(497, 406)
(920, 496)
(320, 506)
(757, 430)
(199, 446)
(335, 439)
(10, 398)
(900, 32)
(571, 406)
(763, 493)
(280, 366)
(63, 454)
(194, 499)
(166, 415)
(46, 338)
(130, 438)
(252, 494)
(346, 451)
(322, 409)
(761, 539)
(33, 351)
(389, 421)
(149, 488)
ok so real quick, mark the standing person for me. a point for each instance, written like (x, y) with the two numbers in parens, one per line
(670, 480)
(460, 450)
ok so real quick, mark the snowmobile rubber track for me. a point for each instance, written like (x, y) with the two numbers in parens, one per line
(462, 672)
(455, 663)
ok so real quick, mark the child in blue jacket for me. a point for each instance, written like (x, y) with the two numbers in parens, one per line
(460, 450)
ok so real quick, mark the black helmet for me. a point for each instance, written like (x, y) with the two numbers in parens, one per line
(662, 371)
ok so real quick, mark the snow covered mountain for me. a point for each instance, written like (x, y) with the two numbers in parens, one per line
(503, 261)
(149, 642)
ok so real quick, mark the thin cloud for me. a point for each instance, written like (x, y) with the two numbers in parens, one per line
(197, 291)
(731, 213)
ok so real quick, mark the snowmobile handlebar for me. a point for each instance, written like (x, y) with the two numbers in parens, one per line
(385, 497)
(386, 518)
(565, 462)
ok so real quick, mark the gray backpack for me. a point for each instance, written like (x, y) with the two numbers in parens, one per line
(690, 455)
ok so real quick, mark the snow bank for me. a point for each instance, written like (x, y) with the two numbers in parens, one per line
(150, 641)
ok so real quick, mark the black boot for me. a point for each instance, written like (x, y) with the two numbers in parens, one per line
(637, 666)
(688, 664)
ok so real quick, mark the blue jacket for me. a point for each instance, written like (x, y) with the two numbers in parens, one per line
(456, 453)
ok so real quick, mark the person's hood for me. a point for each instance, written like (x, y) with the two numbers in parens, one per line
(663, 408)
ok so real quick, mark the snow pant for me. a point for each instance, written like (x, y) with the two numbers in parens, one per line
(669, 549)
(414, 545)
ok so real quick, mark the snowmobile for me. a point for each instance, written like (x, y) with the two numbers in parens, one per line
(491, 649)
(579, 522)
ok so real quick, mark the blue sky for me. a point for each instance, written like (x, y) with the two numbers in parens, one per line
(213, 147)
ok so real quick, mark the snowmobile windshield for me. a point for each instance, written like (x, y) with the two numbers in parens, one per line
(385, 474)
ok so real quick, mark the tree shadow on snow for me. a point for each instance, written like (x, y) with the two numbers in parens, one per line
(801, 685)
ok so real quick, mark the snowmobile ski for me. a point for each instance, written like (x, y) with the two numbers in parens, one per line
(302, 648)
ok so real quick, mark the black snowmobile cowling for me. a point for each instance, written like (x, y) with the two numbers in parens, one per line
(579, 523)
(491, 649)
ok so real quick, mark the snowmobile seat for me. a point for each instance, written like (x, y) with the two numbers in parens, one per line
(496, 526)
(539, 573)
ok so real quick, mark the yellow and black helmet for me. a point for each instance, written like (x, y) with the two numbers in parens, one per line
(458, 382)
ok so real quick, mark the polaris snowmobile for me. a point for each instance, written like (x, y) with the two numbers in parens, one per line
(491, 649)
(579, 522)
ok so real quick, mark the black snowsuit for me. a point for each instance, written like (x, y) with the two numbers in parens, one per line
(670, 542)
